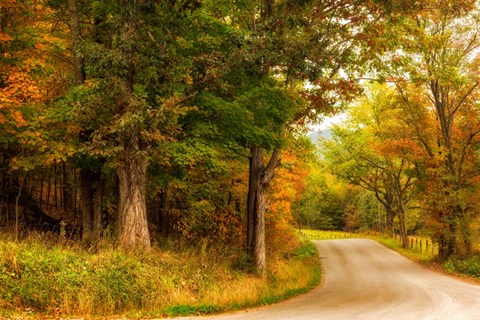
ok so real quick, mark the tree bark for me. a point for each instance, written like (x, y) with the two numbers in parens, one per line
(255, 168)
(132, 209)
(76, 38)
(259, 246)
(390, 215)
(259, 180)
(403, 227)
(86, 174)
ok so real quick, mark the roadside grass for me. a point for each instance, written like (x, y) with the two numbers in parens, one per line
(47, 277)
(467, 268)
(412, 252)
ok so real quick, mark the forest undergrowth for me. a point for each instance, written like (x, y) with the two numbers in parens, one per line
(51, 277)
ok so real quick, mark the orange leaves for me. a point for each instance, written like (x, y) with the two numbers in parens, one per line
(286, 187)
(7, 4)
(5, 38)
(22, 83)
(19, 90)
(288, 183)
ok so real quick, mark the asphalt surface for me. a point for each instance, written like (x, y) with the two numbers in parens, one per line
(364, 280)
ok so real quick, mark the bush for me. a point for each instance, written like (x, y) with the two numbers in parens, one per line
(469, 266)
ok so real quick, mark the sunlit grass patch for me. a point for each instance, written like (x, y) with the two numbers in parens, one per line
(325, 235)
(413, 253)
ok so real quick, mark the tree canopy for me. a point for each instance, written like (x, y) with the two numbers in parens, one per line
(142, 121)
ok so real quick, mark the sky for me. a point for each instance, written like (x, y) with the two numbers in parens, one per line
(327, 122)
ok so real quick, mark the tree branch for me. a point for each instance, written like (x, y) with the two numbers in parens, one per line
(273, 163)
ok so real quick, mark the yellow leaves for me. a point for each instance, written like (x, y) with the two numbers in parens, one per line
(188, 80)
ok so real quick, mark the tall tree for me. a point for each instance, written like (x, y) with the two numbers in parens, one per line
(140, 79)
(293, 43)
(437, 79)
(365, 153)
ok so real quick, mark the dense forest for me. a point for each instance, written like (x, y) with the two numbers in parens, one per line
(140, 121)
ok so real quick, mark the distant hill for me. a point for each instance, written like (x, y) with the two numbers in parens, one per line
(315, 136)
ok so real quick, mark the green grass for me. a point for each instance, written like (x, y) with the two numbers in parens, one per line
(40, 277)
(413, 253)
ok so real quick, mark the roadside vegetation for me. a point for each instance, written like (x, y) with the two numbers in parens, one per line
(49, 277)
(466, 266)
(153, 157)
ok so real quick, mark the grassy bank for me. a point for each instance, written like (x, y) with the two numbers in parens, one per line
(464, 267)
(42, 277)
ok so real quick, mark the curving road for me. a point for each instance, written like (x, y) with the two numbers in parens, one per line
(364, 280)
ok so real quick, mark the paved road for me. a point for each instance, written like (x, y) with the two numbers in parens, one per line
(364, 280)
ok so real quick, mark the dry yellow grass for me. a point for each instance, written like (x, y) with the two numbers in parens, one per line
(63, 280)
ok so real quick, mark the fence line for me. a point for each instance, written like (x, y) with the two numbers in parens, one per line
(418, 244)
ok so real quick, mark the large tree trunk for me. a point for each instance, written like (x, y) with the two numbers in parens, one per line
(87, 176)
(76, 38)
(259, 179)
(132, 208)
(390, 216)
(255, 168)
(403, 226)
(259, 246)
(386, 199)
